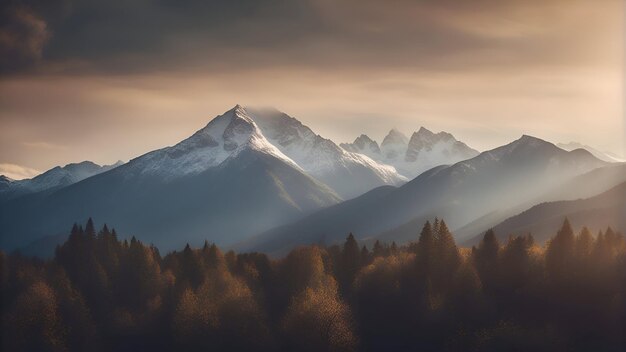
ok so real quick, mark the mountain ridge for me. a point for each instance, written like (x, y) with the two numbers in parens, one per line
(459, 193)
(221, 184)
(412, 156)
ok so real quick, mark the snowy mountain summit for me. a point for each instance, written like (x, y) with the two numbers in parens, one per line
(54, 178)
(222, 138)
(274, 133)
(412, 156)
(349, 174)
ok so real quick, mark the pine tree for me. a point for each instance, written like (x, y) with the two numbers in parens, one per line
(584, 244)
(213, 257)
(486, 258)
(365, 256)
(425, 250)
(447, 257)
(350, 260)
(90, 230)
(560, 252)
(394, 248)
(74, 233)
(378, 250)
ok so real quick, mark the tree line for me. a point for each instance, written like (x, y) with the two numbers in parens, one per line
(100, 293)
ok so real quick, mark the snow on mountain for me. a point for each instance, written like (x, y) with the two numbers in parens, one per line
(66, 175)
(364, 145)
(394, 146)
(5, 183)
(349, 174)
(606, 156)
(223, 184)
(54, 178)
(223, 137)
(410, 157)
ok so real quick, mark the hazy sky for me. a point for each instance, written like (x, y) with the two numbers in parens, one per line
(108, 80)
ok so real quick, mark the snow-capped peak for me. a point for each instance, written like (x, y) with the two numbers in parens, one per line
(348, 173)
(394, 137)
(222, 138)
(410, 157)
(365, 145)
(394, 145)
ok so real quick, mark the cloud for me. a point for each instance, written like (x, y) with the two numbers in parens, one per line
(44, 145)
(113, 79)
(17, 172)
(22, 38)
(223, 35)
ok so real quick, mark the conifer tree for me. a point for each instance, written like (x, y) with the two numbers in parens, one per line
(394, 248)
(486, 258)
(447, 254)
(90, 230)
(350, 260)
(425, 250)
(378, 250)
(584, 244)
(365, 256)
(560, 252)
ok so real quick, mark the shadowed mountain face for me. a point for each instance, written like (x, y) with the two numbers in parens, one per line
(252, 171)
(606, 156)
(503, 177)
(582, 186)
(606, 209)
(222, 184)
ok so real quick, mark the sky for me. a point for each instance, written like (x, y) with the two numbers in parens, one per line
(111, 80)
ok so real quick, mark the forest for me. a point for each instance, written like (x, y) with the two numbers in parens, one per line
(100, 293)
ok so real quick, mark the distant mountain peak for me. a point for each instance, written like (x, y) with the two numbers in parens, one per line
(363, 141)
(395, 137)
(532, 140)
(443, 144)
(424, 150)
(54, 178)
(424, 131)
(602, 155)
(321, 157)
(364, 138)
(224, 137)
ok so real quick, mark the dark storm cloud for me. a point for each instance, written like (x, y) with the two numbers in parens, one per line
(22, 37)
(122, 35)
(146, 35)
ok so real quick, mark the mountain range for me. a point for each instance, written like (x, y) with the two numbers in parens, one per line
(423, 151)
(259, 179)
(350, 174)
(54, 178)
(607, 209)
(500, 178)
(606, 156)
(225, 182)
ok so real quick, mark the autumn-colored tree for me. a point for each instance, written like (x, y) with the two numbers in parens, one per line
(317, 320)
(33, 322)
